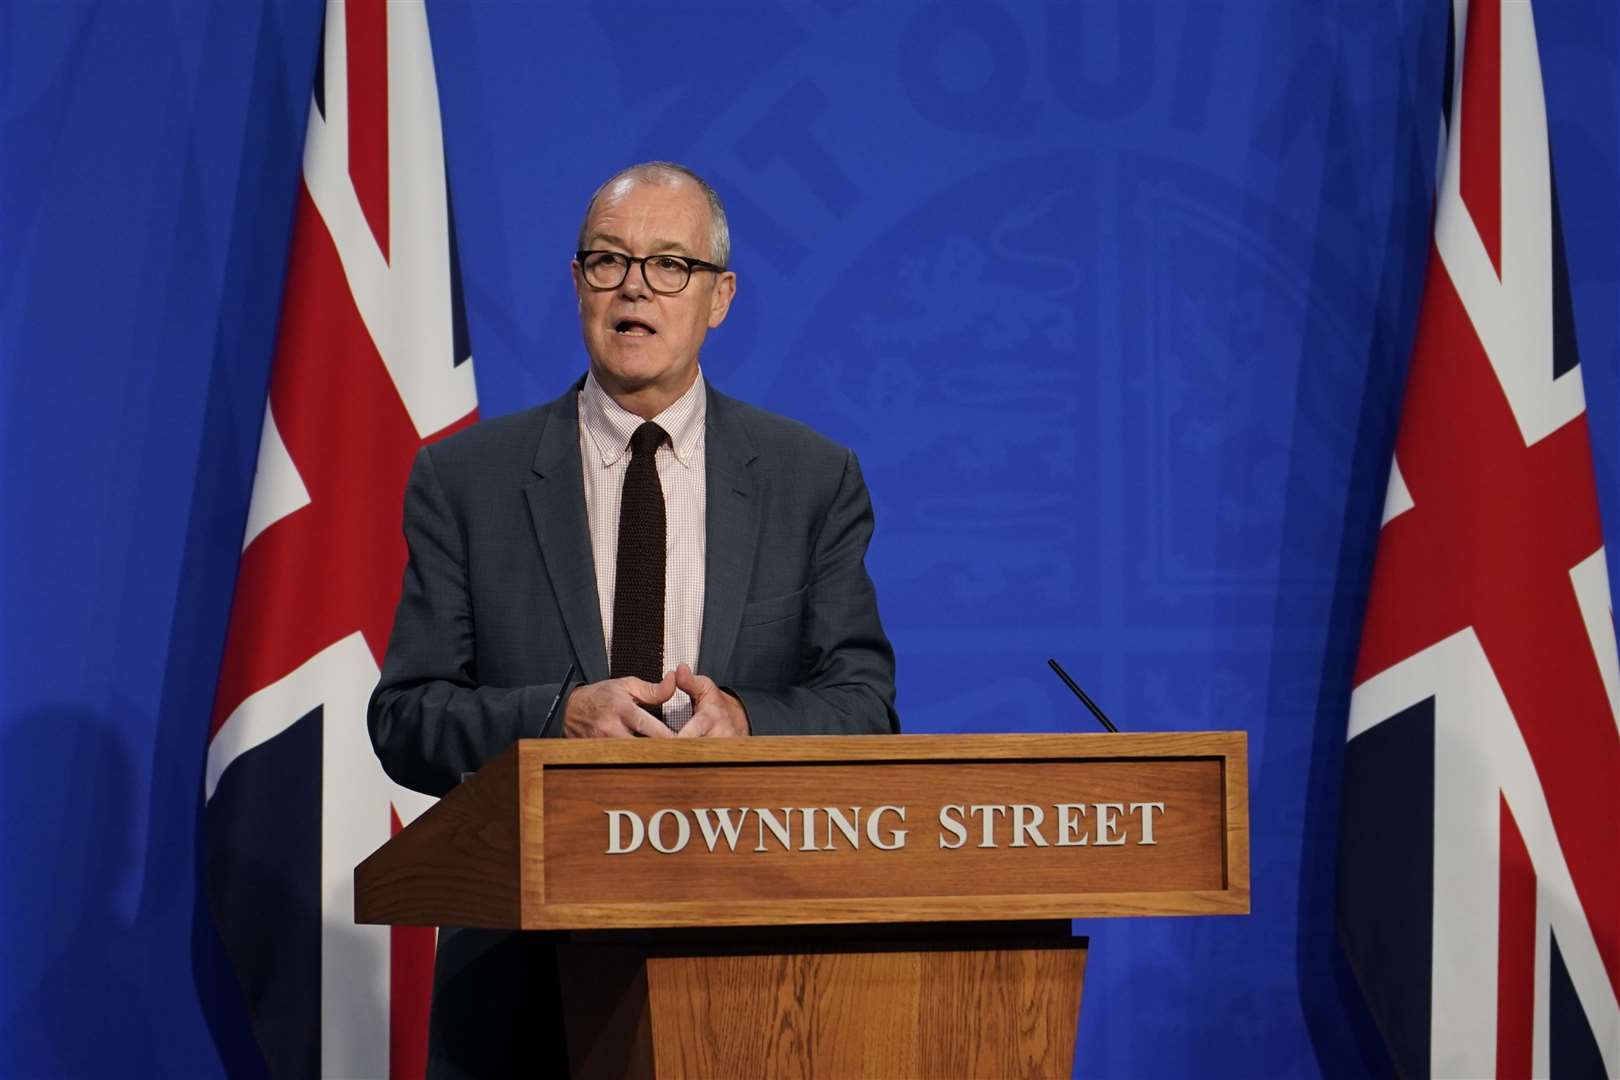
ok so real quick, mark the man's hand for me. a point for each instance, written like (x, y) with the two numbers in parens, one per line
(611, 709)
(714, 712)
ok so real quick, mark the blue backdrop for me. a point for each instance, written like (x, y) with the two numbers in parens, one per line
(1112, 298)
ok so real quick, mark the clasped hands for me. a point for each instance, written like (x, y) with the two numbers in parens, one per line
(612, 708)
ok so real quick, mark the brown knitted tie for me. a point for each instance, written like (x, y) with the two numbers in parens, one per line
(638, 588)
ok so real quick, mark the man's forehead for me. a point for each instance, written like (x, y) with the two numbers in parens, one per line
(656, 244)
(677, 208)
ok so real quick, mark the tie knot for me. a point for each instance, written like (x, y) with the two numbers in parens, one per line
(647, 438)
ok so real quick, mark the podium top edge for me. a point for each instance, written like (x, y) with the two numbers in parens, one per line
(808, 749)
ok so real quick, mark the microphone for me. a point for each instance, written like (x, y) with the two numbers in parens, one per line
(1081, 694)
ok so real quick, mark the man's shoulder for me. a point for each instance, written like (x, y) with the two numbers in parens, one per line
(774, 436)
(511, 440)
(501, 450)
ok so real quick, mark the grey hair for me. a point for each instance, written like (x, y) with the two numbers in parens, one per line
(669, 173)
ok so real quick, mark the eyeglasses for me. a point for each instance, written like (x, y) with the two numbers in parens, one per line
(666, 274)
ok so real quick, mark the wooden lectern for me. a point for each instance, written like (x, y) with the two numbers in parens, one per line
(888, 906)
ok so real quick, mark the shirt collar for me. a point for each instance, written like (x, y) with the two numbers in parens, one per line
(609, 425)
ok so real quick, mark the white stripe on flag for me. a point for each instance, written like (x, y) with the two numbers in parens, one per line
(278, 490)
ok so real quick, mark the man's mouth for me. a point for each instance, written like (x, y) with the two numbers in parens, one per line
(633, 328)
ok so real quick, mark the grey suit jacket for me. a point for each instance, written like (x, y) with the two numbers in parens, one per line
(500, 591)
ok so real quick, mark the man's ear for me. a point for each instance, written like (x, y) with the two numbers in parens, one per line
(725, 289)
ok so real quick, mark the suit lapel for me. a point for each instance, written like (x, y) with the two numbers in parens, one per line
(557, 505)
(733, 534)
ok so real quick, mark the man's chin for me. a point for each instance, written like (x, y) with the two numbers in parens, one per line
(631, 365)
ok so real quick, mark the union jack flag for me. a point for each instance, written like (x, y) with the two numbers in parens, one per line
(371, 362)
(1479, 891)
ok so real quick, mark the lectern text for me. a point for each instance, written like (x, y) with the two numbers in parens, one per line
(829, 828)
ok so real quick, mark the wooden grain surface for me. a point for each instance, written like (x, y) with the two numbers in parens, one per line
(456, 865)
(1198, 866)
(834, 748)
(925, 1013)
(1237, 824)
(631, 913)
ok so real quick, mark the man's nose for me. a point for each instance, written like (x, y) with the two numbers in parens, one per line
(634, 285)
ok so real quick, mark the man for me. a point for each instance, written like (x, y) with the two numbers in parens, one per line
(699, 562)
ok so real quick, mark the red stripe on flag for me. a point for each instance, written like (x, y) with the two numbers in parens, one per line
(1515, 954)
(1493, 533)
(367, 35)
(1481, 150)
(334, 566)
(410, 986)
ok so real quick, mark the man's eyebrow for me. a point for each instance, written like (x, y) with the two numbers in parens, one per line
(658, 247)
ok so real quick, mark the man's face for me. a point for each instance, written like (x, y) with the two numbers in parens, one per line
(641, 342)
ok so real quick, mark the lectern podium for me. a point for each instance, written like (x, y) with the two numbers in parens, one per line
(844, 906)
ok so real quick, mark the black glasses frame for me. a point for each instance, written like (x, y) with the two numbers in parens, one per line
(692, 266)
